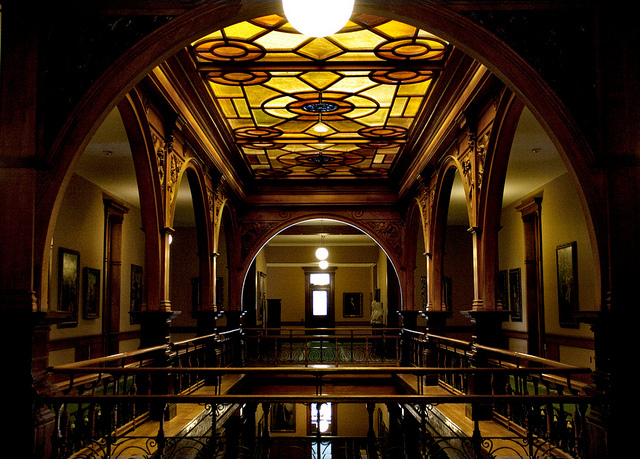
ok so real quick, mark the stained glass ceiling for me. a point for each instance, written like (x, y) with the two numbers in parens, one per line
(341, 106)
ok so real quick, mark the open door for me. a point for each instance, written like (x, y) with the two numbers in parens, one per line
(319, 298)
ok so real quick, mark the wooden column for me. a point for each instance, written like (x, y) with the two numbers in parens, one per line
(114, 217)
(530, 211)
(22, 305)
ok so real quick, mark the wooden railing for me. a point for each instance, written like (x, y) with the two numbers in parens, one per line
(520, 374)
(338, 346)
(101, 403)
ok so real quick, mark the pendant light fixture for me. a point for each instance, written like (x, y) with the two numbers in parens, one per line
(321, 252)
(318, 18)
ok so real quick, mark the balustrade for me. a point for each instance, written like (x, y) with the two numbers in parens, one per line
(103, 405)
(339, 346)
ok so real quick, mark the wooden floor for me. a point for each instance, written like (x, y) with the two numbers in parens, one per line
(177, 425)
(455, 412)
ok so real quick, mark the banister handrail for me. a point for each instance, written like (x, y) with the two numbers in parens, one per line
(523, 356)
(506, 352)
(324, 398)
(450, 340)
(196, 339)
(111, 358)
(324, 329)
(229, 332)
(323, 371)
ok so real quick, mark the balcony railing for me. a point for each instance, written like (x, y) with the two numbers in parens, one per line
(119, 405)
(338, 346)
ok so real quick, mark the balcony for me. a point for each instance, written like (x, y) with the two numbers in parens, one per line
(319, 394)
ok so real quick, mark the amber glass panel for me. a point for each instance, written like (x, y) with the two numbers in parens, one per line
(339, 106)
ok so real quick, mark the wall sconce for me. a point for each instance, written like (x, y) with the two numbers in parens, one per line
(318, 18)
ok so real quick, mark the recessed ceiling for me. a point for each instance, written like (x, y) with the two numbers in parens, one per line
(300, 107)
(272, 86)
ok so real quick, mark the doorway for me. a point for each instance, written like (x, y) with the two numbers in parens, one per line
(319, 298)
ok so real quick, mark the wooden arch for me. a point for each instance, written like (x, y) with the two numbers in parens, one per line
(390, 237)
(153, 49)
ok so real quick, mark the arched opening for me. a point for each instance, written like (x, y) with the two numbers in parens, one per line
(449, 26)
(96, 276)
(538, 183)
(186, 270)
(457, 286)
(361, 270)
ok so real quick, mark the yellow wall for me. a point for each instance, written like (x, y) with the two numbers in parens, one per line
(562, 222)
(286, 278)
(80, 227)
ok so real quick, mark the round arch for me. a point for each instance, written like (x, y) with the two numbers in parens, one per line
(490, 202)
(161, 44)
(193, 173)
(141, 142)
(415, 228)
(276, 229)
(447, 169)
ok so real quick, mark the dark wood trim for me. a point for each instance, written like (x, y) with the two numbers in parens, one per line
(90, 340)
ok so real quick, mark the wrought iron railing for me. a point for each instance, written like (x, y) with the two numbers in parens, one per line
(411, 431)
(103, 404)
(338, 346)
(81, 422)
(561, 423)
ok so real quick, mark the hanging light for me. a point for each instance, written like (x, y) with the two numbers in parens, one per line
(318, 18)
(321, 252)
(324, 264)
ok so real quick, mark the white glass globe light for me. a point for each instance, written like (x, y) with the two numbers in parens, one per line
(322, 253)
(318, 18)
(324, 264)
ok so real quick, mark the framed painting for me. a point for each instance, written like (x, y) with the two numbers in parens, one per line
(91, 293)
(515, 295)
(283, 417)
(136, 293)
(352, 305)
(69, 285)
(566, 261)
(261, 299)
(503, 289)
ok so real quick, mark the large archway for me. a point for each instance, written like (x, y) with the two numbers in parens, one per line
(155, 47)
(360, 263)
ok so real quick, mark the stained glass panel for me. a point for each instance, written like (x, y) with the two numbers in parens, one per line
(340, 106)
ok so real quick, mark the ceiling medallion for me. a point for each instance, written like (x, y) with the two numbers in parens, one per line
(257, 132)
(319, 159)
(383, 132)
(228, 51)
(372, 172)
(412, 49)
(310, 104)
(273, 172)
(401, 76)
(320, 107)
(245, 78)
